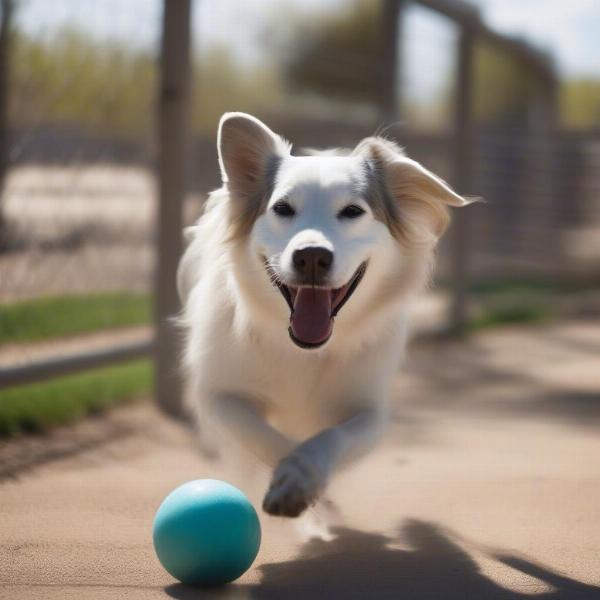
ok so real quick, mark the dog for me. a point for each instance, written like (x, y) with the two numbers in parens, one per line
(296, 287)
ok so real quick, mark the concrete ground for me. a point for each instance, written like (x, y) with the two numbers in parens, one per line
(488, 487)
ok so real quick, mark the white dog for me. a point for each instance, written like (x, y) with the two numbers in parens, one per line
(296, 287)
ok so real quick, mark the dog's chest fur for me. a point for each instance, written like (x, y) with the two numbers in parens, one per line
(299, 393)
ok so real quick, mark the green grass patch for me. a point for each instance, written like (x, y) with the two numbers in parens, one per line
(505, 315)
(37, 407)
(505, 301)
(505, 287)
(44, 318)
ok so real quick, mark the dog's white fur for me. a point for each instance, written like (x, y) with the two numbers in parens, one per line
(306, 413)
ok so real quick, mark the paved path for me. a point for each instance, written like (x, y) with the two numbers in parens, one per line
(488, 487)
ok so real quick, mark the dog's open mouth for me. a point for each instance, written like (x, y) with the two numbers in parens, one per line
(313, 309)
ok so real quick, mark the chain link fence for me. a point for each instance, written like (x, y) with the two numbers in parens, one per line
(78, 195)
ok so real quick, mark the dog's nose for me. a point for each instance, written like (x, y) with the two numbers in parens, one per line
(313, 262)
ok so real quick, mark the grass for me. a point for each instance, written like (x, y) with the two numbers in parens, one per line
(518, 300)
(506, 315)
(45, 318)
(510, 286)
(35, 408)
(513, 301)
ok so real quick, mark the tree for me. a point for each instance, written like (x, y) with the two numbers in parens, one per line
(339, 55)
(503, 87)
(580, 100)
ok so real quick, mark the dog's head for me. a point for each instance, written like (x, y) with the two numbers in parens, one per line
(328, 230)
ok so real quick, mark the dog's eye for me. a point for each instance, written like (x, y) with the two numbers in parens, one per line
(283, 209)
(351, 212)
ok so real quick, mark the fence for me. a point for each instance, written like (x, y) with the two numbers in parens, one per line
(516, 170)
(88, 228)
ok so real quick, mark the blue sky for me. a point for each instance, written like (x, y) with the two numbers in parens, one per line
(569, 29)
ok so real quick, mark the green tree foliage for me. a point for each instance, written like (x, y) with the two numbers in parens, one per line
(580, 103)
(110, 87)
(503, 86)
(222, 84)
(338, 55)
(67, 77)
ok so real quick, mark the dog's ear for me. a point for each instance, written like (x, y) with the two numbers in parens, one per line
(413, 201)
(249, 153)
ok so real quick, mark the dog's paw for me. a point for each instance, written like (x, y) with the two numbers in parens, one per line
(296, 484)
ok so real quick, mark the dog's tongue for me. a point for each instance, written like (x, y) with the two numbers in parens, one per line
(311, 320)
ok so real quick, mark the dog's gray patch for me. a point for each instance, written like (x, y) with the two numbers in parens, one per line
(272, 169)
(246, 210)
(378, 197)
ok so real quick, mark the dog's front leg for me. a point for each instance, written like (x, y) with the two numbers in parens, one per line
(302, 475)
(242, 418)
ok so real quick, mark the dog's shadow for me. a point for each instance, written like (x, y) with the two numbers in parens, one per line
(356, 564)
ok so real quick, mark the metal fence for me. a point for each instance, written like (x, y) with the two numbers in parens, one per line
(77, 204)
(121, 242)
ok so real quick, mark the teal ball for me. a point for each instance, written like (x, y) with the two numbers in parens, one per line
(206, 532)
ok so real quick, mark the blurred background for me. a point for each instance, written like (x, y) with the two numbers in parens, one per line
(105, 133)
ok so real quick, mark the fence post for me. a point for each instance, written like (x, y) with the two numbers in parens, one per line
(390, 101)
(173, 101)
(464, 140)
(544, 202)
(7, 8)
